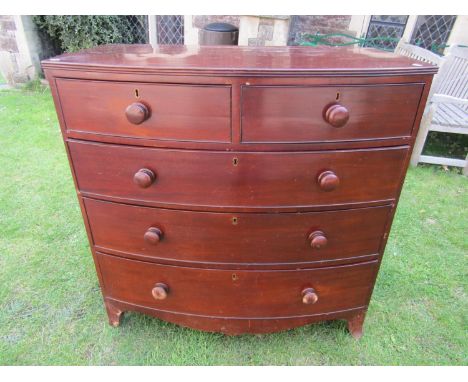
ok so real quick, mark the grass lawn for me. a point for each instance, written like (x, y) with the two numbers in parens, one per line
(51, 311)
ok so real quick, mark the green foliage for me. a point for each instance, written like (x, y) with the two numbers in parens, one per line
(35, 85)
(73, 33)
(446, 145)
(342, 39)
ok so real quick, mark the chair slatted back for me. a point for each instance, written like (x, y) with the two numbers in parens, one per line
(452, 79)
(415, 52)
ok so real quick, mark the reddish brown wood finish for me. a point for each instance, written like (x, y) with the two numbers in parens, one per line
(201, 180)
(235, 239)
(137, 113)
(113, 312)
(160, 291)
(249, 140)
(153, 236)
(239, 60)
(307, 114)
(144, 178)
(355, 324)
(173, 112)
(318, 240)
(336, 115)
(227, 325)
(242, 294)
(309, 296)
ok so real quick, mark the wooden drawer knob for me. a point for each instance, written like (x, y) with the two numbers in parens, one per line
(309, 296)
(137, 113)
(318, 239)
(328, 181)
(153, 235)
(336, 115)
(144, 178)
(160, 291)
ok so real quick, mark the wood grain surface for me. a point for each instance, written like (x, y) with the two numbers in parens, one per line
(238, 189)
(234, 239)
(260, 180)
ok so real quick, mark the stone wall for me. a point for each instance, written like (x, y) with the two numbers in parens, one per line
(200, 21)
(320, 24)
(264, 30)
(9, 50)
(194, 24)
(20, 49)
(254, 30)
(261, 30)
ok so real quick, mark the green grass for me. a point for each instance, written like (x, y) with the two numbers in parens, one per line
(51, 311)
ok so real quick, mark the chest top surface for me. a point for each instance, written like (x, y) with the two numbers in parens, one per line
(240, 60)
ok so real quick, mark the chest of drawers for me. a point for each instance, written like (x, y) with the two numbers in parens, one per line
(237, 189)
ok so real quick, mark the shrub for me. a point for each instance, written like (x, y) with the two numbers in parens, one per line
(73, 33)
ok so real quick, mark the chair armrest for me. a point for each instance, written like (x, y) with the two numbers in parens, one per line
(442, 98)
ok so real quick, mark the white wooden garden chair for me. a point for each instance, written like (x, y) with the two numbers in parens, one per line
(447, 106)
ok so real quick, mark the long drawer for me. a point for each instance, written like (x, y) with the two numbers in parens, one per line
(233, 239)
(198, 113)
(202, 179)
(299, 114)
(227, 293)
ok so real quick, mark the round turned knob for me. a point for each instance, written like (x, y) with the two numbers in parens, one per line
(160, 291)
(309, 296)
(336, 115)
(318, 239)
(137, 113)
(328, 181)
(153, 235)
(144, 178)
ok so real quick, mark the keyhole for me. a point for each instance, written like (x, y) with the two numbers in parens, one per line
(234, 220)
(137, 93)
(234, 277)
(235, 161)
(337, 96)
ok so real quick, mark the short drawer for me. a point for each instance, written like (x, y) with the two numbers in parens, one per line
(202, 179)
(244, 294)
(200, 113)
(301, 114)
(236, 239)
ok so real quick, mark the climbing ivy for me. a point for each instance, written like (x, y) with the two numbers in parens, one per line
(73, 33)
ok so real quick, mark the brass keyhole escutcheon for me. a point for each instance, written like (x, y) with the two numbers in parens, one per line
(235, 161)
(234, 277)
(235, 220)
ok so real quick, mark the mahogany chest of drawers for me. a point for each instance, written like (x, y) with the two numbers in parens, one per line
(237, 189)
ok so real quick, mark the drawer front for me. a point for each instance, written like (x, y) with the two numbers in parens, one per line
(310, 113)
(183, 178)
(160, 111)
(227, 293)
(240, 238)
